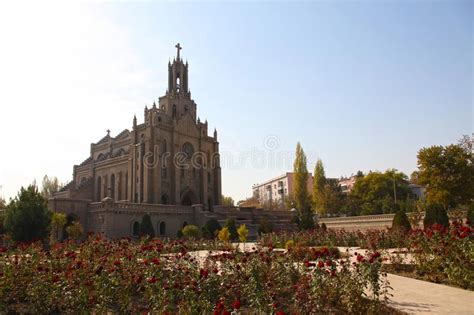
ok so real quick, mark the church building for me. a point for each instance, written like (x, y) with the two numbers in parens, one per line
(169, 160)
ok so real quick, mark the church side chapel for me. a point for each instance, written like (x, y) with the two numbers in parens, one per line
(163, 167)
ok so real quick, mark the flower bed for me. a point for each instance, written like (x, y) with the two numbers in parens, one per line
(441, 255)
(163, 277)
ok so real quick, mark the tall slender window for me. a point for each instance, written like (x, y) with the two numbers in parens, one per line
(112, 186)
(99, 188)
(126, 185)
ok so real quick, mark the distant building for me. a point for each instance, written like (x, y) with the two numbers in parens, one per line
(417, 191)
(347, 183)
(277, 189)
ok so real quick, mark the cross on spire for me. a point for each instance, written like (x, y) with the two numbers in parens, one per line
(108, 132)
(178, 48)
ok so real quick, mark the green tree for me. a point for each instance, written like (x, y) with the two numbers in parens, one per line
(400, 221)
(191, 231)
(75, 230)
(230, 225)
(376, 187)
(3, 203)
(414, 177)
(227, 201)
(333, 200)
(435, 213)
(49, 186)
(146, 227)
(58, 221)
(448, 174)
(319, 187)
(211, 227)
(243, 233)
(351, 206)
(300, 193)
(27, 216)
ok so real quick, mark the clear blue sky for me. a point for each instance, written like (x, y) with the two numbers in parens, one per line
(362, 85)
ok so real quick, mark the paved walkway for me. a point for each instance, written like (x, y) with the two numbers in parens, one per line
(421, 297)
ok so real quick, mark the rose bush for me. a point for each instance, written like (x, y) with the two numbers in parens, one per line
(442, 252)
(166, 277)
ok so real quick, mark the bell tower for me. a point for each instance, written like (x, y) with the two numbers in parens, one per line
(178, 76)
(177, 101)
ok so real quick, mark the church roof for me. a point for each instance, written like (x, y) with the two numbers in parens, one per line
(86, 161)
(104, 139)
(123, 135)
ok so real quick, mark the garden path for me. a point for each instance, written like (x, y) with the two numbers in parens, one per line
(421, 297)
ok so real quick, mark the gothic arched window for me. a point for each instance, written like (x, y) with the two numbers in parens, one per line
(174, 111)
(188, 149)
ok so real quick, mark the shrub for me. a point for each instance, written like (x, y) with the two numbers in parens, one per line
(27, 216)
(401, 222)
(224, 235)
(75, 230)
(435, 213)
(146, 227)
(243, 233)
(58, 221)
(230, 225)
(191, 231)
(289, 244)
(211, 227)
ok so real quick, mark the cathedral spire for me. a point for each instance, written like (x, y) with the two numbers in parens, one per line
(178, 48)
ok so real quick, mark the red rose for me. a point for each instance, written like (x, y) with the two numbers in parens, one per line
(280, 312)
(320, 264)
(151, 280)
(236, 305)
(309, 264)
